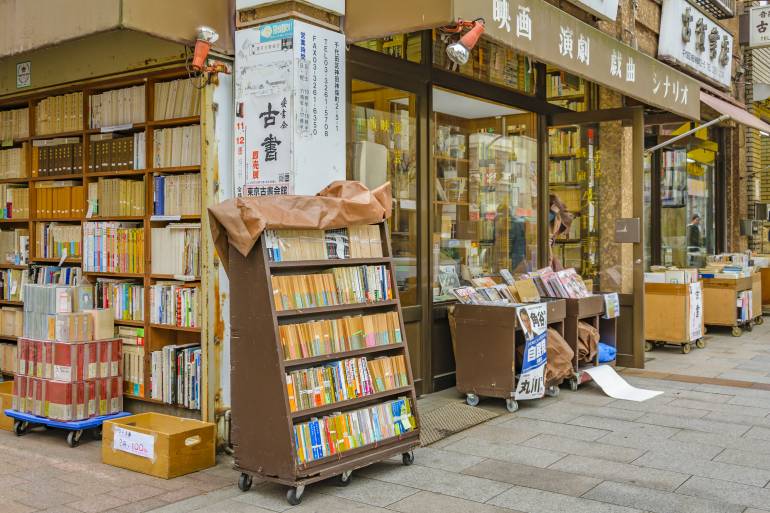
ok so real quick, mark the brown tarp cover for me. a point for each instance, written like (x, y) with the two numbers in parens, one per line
(558, 365)
(588, 342)
(240, 221)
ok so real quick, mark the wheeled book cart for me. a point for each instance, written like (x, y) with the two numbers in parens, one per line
(23, 422)
(667, 311)
(263, 423)
(720, 298)
(485, 350)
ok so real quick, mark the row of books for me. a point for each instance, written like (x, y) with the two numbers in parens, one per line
(113, 247)
(125, 298)
(55, 275)
(54, 240)
(59, 199)
(13, 162)
(14, 246)
(176, 375)
(68, 401)
(353, 242)
(328, 336)
(341, 285)
(177, 99)
(110, 197)
(56, 114)
(54, 299)
(8, 358)
(563, 142)
(344, 380)
(11, 321)
(118, 107)
(12, 283)
(564, 84)
(174, 147)
(563, 171)
(177, 195)
(565, 284)
(93, 324)
(133, 370)
(175, 303)
(178, 245)
(130, 335)
(340, 432)
(69, 361)
(54, 157)
(16, 205)
(14, 124)
(110, 153)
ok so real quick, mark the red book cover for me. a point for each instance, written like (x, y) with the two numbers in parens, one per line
(90, 397)
(116, 359)
(104, 358)
(47, 360)
(65, 362)
(36, 392)
(91, 360)
(19, 393)
(22, 355)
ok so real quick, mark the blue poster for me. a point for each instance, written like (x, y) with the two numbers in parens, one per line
(533, 321)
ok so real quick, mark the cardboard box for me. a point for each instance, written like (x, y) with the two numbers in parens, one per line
(6, 403)
(159, 445)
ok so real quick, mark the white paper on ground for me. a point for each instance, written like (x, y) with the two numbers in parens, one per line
(616, 387)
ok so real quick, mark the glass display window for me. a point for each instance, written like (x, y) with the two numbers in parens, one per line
(485, 203)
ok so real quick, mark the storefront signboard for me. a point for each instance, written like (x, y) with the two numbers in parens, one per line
(549, 34)
(690, 39)
(335, 6)
(759, 26)
(533, 320)
(696, 311)
(289, 109)
(604, 9)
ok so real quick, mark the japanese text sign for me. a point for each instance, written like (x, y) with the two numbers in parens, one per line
(133, 442)
(759, 26)
(533, 321)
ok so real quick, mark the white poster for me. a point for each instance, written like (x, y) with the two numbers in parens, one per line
(289, 109)
(696, 311)
(690, 39)
(759, 23)
(533, 321)
(616, 387)
(133, 442)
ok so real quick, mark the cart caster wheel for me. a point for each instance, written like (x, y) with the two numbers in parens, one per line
(96, 433)
(700, 343)
(552, 391)
(20, 427)
(407, 458)
(648, 346)
(749, 326)
(73, 438)
(244, 482)
(344, 478)
(294, 495)
(686, 348)
(737, 331)
(511, 405)
(573, 384)
(760, 321)
(472, 399)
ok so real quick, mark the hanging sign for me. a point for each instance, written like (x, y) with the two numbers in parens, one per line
(533, 321)
(690, 39)
(759, 26)
(696, 311)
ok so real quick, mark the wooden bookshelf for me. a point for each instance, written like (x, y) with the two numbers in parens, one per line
(263, 433)
(155, 335)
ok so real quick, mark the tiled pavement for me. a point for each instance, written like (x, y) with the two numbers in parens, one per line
(697, 448)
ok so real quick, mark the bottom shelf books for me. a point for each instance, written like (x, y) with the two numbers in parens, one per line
(67, 401)
(334, 434)
(175, 375)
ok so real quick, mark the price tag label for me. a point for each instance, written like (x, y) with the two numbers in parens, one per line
(133, 443)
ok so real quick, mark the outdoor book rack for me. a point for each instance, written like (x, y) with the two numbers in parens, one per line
(667, 313)
(263, 423)
(720, 298)
(487, 337)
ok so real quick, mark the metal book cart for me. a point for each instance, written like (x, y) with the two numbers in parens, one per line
(667, 311)
(262, 421)
(720, 299)
(589, 310)
(485, 350)
(23, 422)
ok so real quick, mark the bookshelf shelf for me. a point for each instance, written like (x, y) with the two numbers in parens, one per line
(109, 174)
(564, 184)
(166, 123)
(302, 362)
(73, 176)
(174, 219)
(180, 169)
(77, 133)
(126, 322)
(576, 96)
(14, 221)
(335, 308)
(12, 338)
(56, 260)
(115, 218)
(171, 327)
(6, 302)
(563, 156)
(175, 277)
(330, 263)
(349, 404)
(113, 275)
(117, 129)
(56, 220)
(14, 266)
(14, 180)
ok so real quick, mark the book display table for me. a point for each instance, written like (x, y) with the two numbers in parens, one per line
(486, 340)
(668, 313)
(720, 300)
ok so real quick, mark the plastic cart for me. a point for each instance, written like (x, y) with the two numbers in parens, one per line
(23, 422)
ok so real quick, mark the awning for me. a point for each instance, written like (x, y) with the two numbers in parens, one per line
(736, 113)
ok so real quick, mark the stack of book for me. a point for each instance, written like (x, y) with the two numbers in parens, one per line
(175, 303)
(64, 312)
(327, 336)
(353, 242)
(8, 358)
(113, 247)
(111, 197)
(563, 141)
(340, 432)
(117, 107)
(177, 195)
(55, 275)
(672, 275)
(177, 99)
(13, 162)
(59, 199)
(53, 240)
(124, 297)
(110, 153)
(14, 246)
(179, 244)
(175, 376)
(54, 157)
(562, 284)
(16, 204)
(342, 285)
(57, 114)
(14, 124)
(175, 147)
(12, 283)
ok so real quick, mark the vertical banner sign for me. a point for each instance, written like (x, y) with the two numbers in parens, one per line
(759, 23)
(289, 109)
(533, 320)
(696, 311)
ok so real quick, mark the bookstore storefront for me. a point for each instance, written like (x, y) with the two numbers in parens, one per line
(478, 152)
